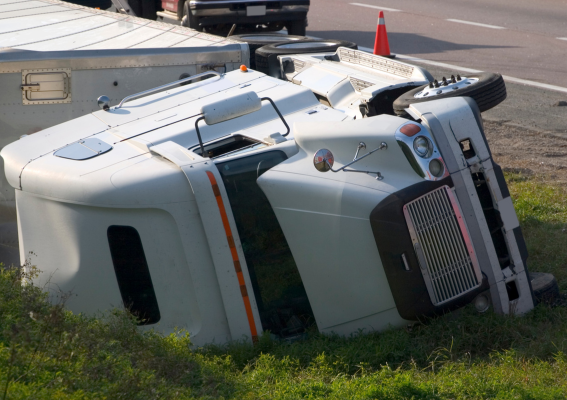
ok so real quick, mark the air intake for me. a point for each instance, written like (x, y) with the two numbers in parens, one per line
(442, 245)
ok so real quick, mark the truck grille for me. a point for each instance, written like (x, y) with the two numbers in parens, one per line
(360, 84)
(442, 245)
(375, 62)
(298, 64)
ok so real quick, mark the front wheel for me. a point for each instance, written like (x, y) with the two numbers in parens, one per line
(544, 287)
(486, 88)
(267, 56)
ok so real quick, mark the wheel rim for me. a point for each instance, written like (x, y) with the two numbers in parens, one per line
(429, 92)
(306, 45)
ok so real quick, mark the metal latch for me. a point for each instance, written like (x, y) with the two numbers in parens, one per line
(32, 87)
(213, 67)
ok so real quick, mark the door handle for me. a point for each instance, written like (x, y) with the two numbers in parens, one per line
(32, 87)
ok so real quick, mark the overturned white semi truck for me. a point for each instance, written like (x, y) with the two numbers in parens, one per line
(241, 204)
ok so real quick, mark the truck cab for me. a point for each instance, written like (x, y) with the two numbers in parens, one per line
(240, 205)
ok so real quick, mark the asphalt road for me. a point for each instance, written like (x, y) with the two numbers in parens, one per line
(518, 38)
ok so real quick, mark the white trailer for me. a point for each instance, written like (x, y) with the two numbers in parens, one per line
(57, 58)
(234, 206)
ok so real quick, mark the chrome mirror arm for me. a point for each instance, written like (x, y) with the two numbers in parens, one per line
(361, 145)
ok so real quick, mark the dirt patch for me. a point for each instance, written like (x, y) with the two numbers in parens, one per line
(527, 151)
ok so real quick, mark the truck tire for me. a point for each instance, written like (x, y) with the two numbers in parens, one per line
(486, 88)
(189, 20)
(544, 287)
(144, 8)
(180, 8)
(267, 56)
(297, 27)
(255, 41)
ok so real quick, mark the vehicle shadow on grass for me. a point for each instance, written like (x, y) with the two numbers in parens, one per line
(403, 43)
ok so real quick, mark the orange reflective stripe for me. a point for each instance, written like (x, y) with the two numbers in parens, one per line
(235, 259)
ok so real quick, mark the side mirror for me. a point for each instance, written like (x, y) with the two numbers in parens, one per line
(323, 160)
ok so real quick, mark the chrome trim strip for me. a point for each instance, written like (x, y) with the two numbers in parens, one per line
(166, 86)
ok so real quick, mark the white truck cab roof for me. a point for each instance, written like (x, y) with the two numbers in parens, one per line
(129, 132)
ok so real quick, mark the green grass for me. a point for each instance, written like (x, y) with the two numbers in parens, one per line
(49, 353)
(542, 209)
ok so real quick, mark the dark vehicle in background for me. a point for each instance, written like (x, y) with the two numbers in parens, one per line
(248, 14)
(101, 4)
(217, 15)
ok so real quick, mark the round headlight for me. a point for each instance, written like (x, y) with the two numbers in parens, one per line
(436, 168)
(422, 146)
(481, 303)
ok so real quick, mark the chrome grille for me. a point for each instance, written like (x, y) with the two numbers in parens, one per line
(299, 65)
(375, 62)
(442, 245)
(360, 84)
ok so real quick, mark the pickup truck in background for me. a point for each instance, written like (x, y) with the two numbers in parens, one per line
(216, 15)
(250, 14)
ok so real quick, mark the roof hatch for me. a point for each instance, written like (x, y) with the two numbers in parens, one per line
(83, 149)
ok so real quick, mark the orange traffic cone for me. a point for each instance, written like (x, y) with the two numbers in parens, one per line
(381, 46)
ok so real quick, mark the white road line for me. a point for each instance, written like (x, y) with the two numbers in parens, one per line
(536, 84)
(562, 38)
(376, 7)
(475, 23)
(474, 71)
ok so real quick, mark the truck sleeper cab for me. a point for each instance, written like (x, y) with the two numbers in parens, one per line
(121, 207)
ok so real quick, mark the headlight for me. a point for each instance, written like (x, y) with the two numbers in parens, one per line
(422, 146)
(436, 168)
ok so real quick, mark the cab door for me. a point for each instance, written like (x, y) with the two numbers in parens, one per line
(283, 303)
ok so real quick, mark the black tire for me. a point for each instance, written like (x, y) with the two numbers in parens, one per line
(267, 56)
(180, 7)
(297, 27)
(144, 8)
(257, 40)
(189, 20)
(544, 287)
(102, 4)
(488, 92)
